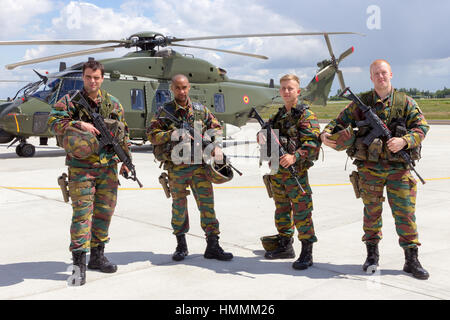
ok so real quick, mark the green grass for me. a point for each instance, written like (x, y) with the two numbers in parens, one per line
(433, 109)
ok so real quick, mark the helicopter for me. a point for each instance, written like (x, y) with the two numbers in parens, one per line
(141, 81)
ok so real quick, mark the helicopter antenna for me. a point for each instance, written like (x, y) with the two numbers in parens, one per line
(43, 78)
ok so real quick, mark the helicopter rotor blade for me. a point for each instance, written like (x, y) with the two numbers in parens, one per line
(330, 49)
(345, 54)
(12, 81)
(146, 44)
(61, 56)
(258, 35)
(221, 50)
(62, 42)
(335, 62)
(341, 79)
(325, 73)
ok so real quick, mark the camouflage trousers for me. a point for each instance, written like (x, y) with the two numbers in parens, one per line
(94, 194)
(180, 177)
(292, 209)
(401, 191)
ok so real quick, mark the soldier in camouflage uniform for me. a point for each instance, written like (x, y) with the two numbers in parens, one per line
(379, 166)
(164, 136)
(93, 176)
(299, 130)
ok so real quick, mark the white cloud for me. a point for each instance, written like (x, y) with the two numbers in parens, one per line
(352, 70)
(87, 21)
(16, 17)
(432, 67)
(33, 53)
(83, 20)
(190, 18)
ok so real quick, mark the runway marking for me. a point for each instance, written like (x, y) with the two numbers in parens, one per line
(215, 187)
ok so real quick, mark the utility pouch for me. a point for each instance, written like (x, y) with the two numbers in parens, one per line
(375, 149)
(164, 181)
(354, 179)
(64, 185)
(266, 179)
(358, 150)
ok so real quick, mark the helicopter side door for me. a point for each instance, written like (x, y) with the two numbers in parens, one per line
(131, 95)
(156, 95)
(136, 115)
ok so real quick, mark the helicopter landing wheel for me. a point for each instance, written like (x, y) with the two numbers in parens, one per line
(25, 150)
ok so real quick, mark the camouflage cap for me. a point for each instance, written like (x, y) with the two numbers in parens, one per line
(79, 144)
(344, 138)
(270, 243)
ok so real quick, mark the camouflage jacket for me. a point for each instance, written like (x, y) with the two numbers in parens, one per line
(416, 125)
(160, 130)
(302, 126)
(64, 113)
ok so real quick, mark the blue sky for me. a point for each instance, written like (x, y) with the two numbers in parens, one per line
(413, 35)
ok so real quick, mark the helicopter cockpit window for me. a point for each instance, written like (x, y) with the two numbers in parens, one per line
(69, 84)
(44, 92)
(219, 102)
(137, 99)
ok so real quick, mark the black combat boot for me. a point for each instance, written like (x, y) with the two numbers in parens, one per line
(284, 250)
(214, 251)
(79, 268)
(412, 264)
(181, 251)
(98, 261)
(305, 260)
(372, 255)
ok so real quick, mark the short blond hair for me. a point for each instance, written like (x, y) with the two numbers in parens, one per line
(379, 61)
(290, 76)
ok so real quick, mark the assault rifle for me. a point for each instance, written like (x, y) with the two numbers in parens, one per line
(106, 137)
(378, 128)
(273, 137)
(180, 124)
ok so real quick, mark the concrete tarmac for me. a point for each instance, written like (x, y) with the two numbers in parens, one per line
(35, 260)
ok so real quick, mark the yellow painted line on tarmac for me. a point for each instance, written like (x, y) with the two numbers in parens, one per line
(215, 187)
(435, 179)
(40, 188)
(28, 188)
